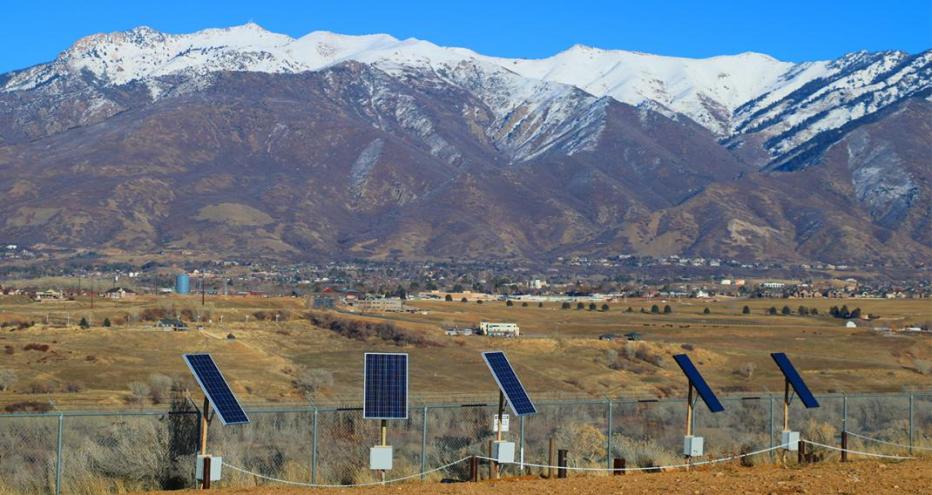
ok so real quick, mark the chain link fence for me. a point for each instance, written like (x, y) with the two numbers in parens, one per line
(98, 452)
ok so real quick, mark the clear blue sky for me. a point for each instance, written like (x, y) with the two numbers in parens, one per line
(32, 32)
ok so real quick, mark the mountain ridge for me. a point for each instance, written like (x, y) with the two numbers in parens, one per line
(246, 142)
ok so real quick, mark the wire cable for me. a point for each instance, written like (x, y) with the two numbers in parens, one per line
(888, 443)
(654, 468)
(318, 485)
(858, 452)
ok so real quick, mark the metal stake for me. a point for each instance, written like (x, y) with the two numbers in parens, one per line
(608, 454)
(58, 455)
(314, 447)
(424, 444)
(910, 424)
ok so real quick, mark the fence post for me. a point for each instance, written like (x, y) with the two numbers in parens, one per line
(424, 444)
(910, 424)
(521, 422)
(314, 447)
(58, 455)
(773, 442)
(608, 453)
(844, 412)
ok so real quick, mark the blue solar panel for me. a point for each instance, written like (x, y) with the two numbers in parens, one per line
(509, 384)
(792, 376)
(215, 387)
(696, 380)
(385, 386)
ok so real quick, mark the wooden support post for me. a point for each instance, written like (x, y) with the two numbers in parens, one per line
(550, 458)
(205, 411)
(474, 469)
(618, 465)
(801, 453)
(383, 438)
(492, 469)
(844, 446)
(786, 405)
(561, 462)
(689, 411)
(205, 482)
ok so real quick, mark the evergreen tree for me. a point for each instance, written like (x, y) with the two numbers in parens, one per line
(629, 310)
(604, 307)
(772, 311)
(565, 305)
(856, 313)
(591, 306)
(667, 309)
(524, 304)
(509, 303)
(107, 322)
(706, 311)
(655, 309)
(84, 324)
(786, 311)
(448, 298)
(814, 311)
(540, 305)
(580, 306)
(464, 300)
(803, 311)
(746, 310)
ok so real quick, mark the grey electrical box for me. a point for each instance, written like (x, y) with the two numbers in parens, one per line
(790, 439)
(216, 463)
(503, 452)
(692, 446)
(380, 458)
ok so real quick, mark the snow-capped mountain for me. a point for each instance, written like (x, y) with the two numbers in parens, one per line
(253, 142)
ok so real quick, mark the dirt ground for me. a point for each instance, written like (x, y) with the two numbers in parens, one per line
(914, 476)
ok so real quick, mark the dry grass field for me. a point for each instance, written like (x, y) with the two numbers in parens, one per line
(559, 353)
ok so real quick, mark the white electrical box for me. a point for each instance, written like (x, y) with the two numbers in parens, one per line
(504, 423)
(216, 463)
(380, 458)
(791, 440)
(503, 452)
(692, 446)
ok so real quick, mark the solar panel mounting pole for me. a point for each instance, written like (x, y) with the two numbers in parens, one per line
(501, 427)
(689, 419)
(205, 422)
(383, 430)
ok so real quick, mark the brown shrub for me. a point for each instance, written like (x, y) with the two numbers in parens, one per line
(36, 347)
(154, 314)
(364, 330)
(28, 406)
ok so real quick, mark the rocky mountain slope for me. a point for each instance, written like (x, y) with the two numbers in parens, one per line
(243, 142)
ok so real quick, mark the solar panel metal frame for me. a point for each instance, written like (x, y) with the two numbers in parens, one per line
(792, 375)
(365, 388)
(216, 402)
(511, 401)
(698, 382)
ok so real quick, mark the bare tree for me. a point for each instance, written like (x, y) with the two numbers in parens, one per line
(7, 379)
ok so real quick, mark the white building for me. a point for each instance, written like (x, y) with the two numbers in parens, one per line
(851, 324)
(499, 329)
